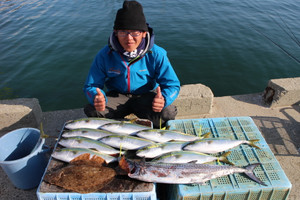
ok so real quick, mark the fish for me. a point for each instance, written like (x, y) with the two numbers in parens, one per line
(190, 156)
(158, 135)
(81, 178)
(212, 146)
(124, 128)
(91, 122)
(157, 149)
(125, 142)
(188, 173)
(81, 142)
(86, 132)
(69, 154)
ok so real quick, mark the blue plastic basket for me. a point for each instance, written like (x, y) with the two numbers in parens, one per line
(236, 186)
(146, 195)
(98, 196)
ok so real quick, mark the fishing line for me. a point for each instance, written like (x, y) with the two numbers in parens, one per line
(285, 51)
(294, 38)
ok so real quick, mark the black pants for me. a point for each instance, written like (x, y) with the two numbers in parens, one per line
(120, 105)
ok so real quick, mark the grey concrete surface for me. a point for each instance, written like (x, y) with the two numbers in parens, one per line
(193, 100)
(280, 127)
(17, 113)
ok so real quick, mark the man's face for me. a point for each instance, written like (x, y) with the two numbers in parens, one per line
(130, 39)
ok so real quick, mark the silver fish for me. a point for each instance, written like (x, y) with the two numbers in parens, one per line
(125, 142)
(87, 132)
(68, 154)
(189, 173)
(81, 142)
(216, 145)
(93, 123)
(157, 149)
(124, 128)
(158, 135)
(190, 156)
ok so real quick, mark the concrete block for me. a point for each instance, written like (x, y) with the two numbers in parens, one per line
(193, 100)
(283, 92)
(19, 113)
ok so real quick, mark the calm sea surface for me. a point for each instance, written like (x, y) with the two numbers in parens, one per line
(47, 47)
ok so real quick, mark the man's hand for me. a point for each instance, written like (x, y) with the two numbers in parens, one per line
(158, 102)
(99, 101)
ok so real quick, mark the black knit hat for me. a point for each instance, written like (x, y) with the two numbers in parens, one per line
(131, 17)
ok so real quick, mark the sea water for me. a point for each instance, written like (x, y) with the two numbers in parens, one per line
(233, 46)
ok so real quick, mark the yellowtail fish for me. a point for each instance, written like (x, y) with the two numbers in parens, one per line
(125, 142)
(189, 173)
(216, 145)
(81, 142)
(93, 123)
(87, 133)
(190, 156)
(68, 154)
(158, 135)
(124, 128)
(157, 149)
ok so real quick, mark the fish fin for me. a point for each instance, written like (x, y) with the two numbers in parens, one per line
(251, 175)
(132, 120)
(200, 130)
(224, 159)
(206, 135)
(123, 164)
(251, 143)
(192, 161)
(87, 160)
(43, 135)
(160, 125)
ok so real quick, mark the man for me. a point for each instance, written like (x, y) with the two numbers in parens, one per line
(137, 74)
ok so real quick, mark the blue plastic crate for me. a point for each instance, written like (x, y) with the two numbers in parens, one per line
(235, 186)
(98, 196)
(57, 195)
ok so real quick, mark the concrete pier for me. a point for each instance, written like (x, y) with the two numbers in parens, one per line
(275, 111)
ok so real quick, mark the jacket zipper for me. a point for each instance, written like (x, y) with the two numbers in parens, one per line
(128, 73)
(128, 70)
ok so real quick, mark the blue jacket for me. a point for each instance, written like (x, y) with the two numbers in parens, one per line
(112, 69)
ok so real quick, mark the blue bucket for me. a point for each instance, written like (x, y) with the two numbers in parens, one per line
(23, 157)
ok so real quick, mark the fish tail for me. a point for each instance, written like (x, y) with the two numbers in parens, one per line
(224, 158)
(251, 175)
(251, 143)
(206, 135)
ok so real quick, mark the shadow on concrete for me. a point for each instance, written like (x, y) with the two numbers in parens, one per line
(24, 122)
(283, 136)
(255, 99)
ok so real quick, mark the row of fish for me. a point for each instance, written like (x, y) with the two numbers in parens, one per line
(173, 147)
(107, 138)
(76, 146)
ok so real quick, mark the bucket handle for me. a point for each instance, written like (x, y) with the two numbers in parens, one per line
(45, 149)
